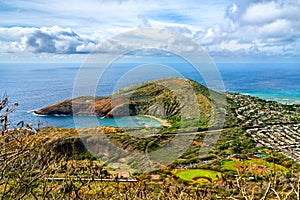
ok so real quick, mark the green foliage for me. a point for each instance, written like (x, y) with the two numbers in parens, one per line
(84, 155)
(199, 175)
(259, 165)
(28, 157)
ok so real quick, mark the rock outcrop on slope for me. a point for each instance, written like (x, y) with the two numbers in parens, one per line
(86, 105)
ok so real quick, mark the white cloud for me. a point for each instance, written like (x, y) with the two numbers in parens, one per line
(248, 27)
(277, 31)
(45, 40)
(262, 13)
(268, 25)
(234, 45)
(212, 35)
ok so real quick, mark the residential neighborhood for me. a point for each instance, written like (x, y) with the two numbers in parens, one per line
(253, 111)
(284, 138)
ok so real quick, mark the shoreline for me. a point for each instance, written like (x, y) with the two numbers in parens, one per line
(279, 98)
(162, 121)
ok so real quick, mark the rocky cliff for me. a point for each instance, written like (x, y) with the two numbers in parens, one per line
(87, 105)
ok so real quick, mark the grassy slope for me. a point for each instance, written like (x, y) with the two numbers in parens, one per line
(199, 175)
(256, 165)
(166, 97)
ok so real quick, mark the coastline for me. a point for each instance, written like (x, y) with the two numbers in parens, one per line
(277, 97)
(162, 121)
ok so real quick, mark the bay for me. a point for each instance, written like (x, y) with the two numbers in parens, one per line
(36, 85)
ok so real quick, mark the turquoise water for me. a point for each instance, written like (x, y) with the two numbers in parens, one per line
(35, 86)
(270, 81)
(259, 155)
(128, 121)
(286, 98)
(93, 121)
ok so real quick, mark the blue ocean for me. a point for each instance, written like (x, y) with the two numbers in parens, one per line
(35, 86)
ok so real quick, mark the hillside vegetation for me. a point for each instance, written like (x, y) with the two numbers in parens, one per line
(56, 163)
(180, 101)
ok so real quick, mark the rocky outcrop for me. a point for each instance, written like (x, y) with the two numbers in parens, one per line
(88, 105)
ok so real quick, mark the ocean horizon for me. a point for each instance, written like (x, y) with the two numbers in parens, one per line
(36, 85)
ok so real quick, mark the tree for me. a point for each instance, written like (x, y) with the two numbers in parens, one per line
(4, 123)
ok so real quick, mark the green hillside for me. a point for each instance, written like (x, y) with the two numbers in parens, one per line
(183, 102)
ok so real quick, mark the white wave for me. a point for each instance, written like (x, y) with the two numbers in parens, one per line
(60, 115)
(39, 115)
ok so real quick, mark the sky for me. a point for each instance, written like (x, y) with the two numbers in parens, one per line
(229, 31)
